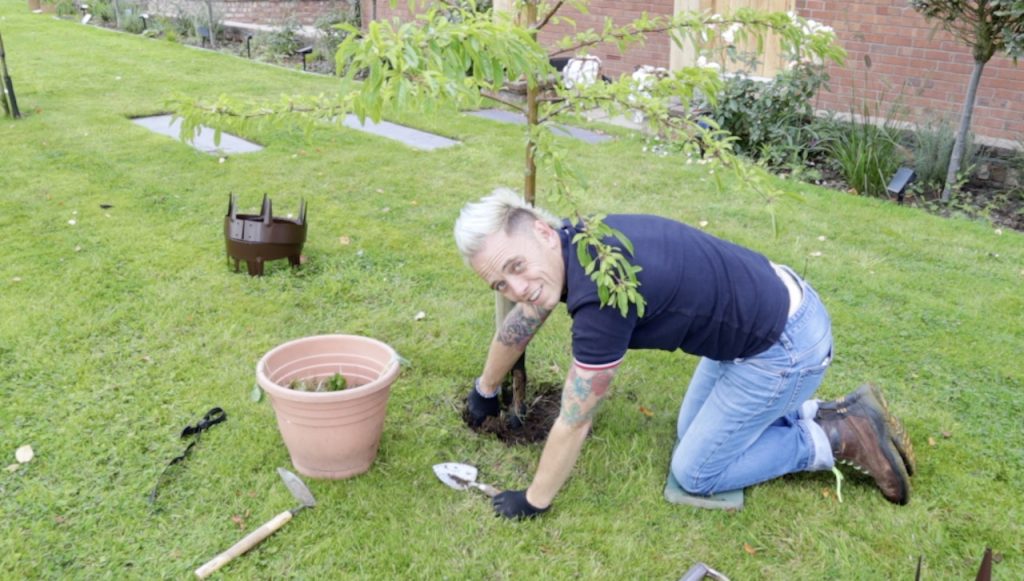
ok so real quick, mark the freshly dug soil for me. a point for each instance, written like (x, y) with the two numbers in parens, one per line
(544, 404)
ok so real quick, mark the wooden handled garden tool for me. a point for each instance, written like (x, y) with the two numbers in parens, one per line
(462, 477)
(298, 490)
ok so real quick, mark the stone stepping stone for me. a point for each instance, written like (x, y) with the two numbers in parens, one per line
(503, 116)
(407, 135)
(163, 125)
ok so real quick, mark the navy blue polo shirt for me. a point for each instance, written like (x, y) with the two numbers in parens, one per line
(705, 296)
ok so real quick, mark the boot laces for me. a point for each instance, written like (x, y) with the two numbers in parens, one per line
(839, 483)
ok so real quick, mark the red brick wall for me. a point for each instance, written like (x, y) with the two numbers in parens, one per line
(928, 72)
(654, 52)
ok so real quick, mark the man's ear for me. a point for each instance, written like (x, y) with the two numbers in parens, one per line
(545, 233)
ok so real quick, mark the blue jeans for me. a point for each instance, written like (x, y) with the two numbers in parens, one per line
(740, 421)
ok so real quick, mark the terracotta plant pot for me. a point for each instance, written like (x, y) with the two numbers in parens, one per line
(330, 434)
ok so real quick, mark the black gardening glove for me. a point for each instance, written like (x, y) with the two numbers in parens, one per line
(481, 407)
(513, 504)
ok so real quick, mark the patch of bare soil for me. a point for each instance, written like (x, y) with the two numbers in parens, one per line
(541, 413)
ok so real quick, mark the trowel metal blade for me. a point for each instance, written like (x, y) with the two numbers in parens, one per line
(297, 487)
(456, 475)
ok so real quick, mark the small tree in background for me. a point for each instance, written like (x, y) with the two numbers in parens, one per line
(453, 56)
(987, 27)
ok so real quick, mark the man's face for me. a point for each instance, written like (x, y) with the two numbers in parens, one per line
(525, 267)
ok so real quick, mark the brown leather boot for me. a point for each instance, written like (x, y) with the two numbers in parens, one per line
(860, 438)
(900, 438)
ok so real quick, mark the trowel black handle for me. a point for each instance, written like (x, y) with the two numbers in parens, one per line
(250, 541)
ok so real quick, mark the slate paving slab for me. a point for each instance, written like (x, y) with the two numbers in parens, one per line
(407, 135)
(503, 116)
(163, 125)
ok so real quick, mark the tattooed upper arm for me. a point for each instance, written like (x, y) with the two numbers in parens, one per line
(584, 390)
(521, 325)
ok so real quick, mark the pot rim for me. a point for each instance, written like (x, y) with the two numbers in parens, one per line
(386, 378)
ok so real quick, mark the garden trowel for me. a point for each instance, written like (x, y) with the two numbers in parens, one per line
(462, 477)
(298, 490)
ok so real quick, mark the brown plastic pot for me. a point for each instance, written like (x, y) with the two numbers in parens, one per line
(330, 434)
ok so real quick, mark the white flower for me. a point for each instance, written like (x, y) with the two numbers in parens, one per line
(703, 63)
(730, 33)
(72, 222)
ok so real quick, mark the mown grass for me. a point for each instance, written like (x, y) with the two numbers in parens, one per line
(121, 329)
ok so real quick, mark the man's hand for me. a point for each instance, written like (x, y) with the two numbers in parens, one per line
(513, 504)
(481, 407)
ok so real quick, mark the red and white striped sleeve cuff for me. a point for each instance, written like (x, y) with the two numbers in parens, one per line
(599, 367)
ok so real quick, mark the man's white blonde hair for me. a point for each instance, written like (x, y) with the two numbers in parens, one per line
(503, 210)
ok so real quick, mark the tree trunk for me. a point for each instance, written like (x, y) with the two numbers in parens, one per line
(961, 135)
(516, 400)
(519, 380)
(210, 23)
(530, 185)
(117, 14)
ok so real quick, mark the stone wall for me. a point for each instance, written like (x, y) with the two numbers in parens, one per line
(257, 12)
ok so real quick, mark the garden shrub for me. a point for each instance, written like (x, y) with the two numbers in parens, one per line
(933, 147)
(278, 45)
(329, 36)
(772, 120)
(865, 153)
(103, 10)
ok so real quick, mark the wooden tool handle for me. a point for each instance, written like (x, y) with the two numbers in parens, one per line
(248, 542)
(487, 489)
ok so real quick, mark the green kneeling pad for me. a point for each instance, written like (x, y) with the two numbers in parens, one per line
(731, 500)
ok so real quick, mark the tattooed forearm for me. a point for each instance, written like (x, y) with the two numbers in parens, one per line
(582, 394)
(520, 327)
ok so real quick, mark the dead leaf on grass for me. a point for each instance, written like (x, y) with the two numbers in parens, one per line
(749, 549)
(13, 467)
(238, 520)
(344, 240)
(647, 412)
(24, 454)
(931, 441)
(947, 435)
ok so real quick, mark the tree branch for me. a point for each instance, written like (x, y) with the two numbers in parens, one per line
(554, 113)
(505, 102)
(610, 37)
(543, 21)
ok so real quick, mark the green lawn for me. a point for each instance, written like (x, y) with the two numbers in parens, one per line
(119, 330)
